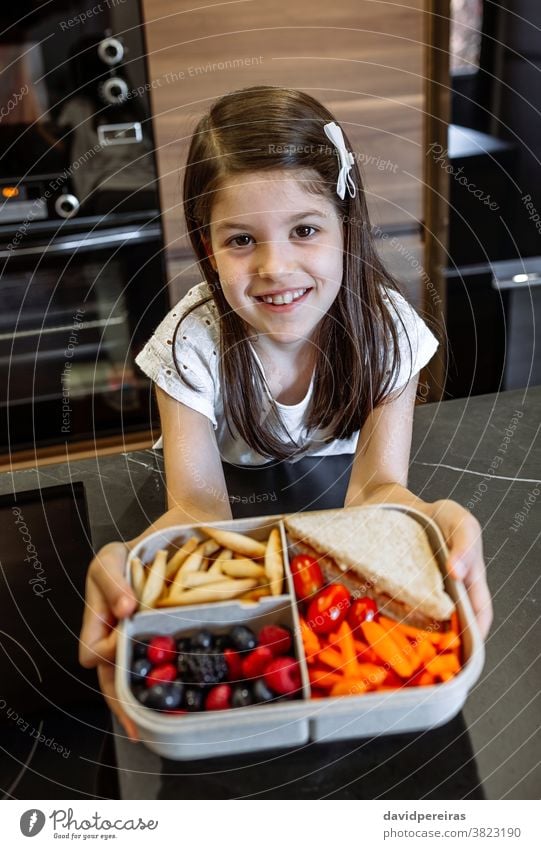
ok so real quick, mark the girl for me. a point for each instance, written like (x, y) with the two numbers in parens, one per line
(298, 342)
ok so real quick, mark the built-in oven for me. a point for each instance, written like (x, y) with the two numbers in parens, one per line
(75, 131)
(82, 274)
(75, 311)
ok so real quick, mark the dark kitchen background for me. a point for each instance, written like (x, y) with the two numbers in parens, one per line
(95, 125)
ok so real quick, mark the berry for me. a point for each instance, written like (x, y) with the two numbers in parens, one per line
(222, 642)
(193, 698)
(218, 698)
(242, 696)
(261, 691)
(202, 640)
(161, 674)
(254, 664)
(162, 696)
(140, 669)
(282, 675)
(202, 668)
(277, 638)
(140, 647)
(243, 638)
(183, 644)
(234, 664)
(161, 650)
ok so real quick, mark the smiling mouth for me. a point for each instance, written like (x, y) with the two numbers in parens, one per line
(283, 298)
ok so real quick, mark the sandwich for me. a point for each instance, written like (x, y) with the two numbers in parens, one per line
(377, 552)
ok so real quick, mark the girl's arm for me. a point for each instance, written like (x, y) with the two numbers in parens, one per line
(380, 475)
(196, 488)
(196, 492)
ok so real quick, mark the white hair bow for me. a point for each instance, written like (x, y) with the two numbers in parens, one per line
(334, 133)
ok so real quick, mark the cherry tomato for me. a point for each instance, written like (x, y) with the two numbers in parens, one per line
(307, 575)
(361, 610)
(328, 608)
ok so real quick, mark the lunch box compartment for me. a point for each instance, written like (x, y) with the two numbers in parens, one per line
(411, 708)
(213, 733)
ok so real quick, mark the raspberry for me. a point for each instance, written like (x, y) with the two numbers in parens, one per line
(234, 665)
(218, 698)
(161, 674)
(282, 675)
(256, 662)
(277, 638)
(161, 650)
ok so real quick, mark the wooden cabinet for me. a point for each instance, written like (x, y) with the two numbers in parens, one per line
(362, 58)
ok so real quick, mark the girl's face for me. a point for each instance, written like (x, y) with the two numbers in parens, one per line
(278, 250)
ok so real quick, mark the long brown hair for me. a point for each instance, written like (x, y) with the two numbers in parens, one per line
(264, 128)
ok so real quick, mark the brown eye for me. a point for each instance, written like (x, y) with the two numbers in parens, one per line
(238, 242)
(302, 229)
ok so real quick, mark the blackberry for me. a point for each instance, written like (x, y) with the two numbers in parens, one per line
(199, 667)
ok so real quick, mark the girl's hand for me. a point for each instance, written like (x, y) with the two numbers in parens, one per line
(108, 599)
(462, 533)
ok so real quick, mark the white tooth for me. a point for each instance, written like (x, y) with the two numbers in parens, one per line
(288, 297)
(268, 299)
(278, 299)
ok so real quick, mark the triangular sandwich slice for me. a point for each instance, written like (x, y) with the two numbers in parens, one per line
(379, 552)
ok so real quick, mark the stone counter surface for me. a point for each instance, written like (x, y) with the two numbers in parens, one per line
(483, 452)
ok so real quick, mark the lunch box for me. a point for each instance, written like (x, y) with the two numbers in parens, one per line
(291, 722)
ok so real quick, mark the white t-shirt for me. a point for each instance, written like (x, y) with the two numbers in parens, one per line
(198, 351)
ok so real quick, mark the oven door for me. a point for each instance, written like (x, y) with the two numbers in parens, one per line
(74, 312)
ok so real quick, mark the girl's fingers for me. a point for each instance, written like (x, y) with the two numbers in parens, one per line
(463, 535)
(107, 572)
(108, 597)
(481, 601)
(106, 678)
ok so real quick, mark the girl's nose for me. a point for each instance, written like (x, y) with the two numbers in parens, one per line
(273, 260)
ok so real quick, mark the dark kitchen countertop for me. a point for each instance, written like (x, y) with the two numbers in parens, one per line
(483, 452)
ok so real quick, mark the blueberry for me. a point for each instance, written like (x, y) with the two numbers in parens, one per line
(163, 696)
(242, 638)
(183, 644)
(241, 696)
(222, 642)
(262, 693)
(202, 640)
(140, 646)
(193, 698)
(140, 669)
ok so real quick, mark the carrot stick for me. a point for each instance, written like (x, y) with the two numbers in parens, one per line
(426, 650)
(423, 679)
(322, 678)
(347, 648)
(364, 652)
(331, 657)
(407, 649)
(372, 673)
(386, 648)
(349, 687)
(446, 676)
(417, 633)
(447, 662)
(450, 641)
(309, 639)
